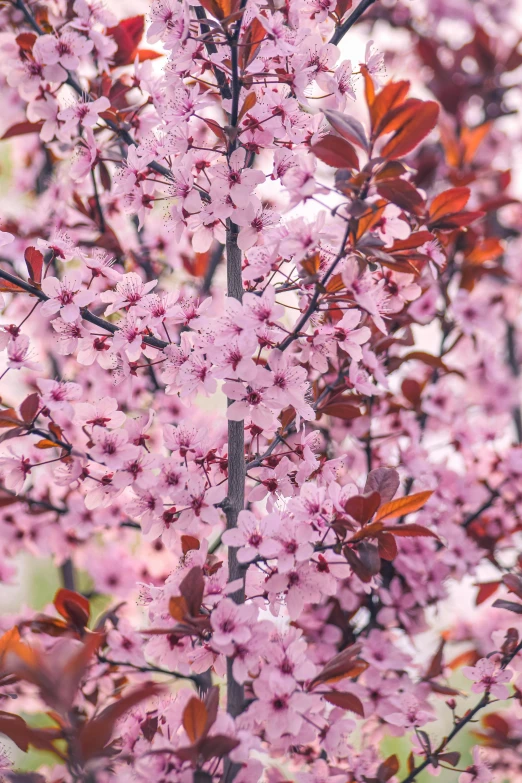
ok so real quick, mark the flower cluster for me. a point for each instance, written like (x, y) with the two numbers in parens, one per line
(261, 344)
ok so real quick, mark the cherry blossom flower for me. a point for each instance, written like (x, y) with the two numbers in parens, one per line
(58, 395)
(488, 677)
(65, 296)
(478, 772)
(84, 113)
(129, 291)
(112, 447)
(65, 49)
(252, 536)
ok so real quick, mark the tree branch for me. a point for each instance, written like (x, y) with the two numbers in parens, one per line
(352, 19)
(85, 314)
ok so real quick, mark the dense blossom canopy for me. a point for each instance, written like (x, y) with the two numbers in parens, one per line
(261, 340)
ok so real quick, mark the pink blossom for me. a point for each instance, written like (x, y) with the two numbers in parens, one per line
(488, 677)
(58, 395)
(478, 772)
(253, 537)
(129, 291)
(65, 296)
(65, 49)
(112, 447)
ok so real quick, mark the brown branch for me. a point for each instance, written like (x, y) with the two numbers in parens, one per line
(352, 19)
(85, 314)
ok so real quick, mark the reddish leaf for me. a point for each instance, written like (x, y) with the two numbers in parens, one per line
(435, 666)
(369, 557)
(9, 418)
(26, 41)
(344, 664)
(178, 608)
(45, 443)
(485, 591)
(511, 606)
(148, 54)
(21, 129)
(189, 543)
(362, 507)
(96, 733)
(402, 506)
(412, 390)
(388, 769)
(249, 103)
(403, 194)
(452, 758)
(127, 35)
(391, 96)
(195, 719)
(29, 407)
(385, 481)
(496, 722)
(341, 410)
(73, 607)
(415, 240)
(448, 202)
(356, 565)
(11, 288)
(217, 746)
(251, 39)
(34, 262)
(387, 546)
(347, 701)
(221, 9)
(417, 122)
(411, 531)
(192, 588)
(347, 127)
(216, 129)
(336, 152)
(15, 727)
(513, 583)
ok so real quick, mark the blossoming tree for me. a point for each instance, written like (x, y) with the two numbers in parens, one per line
(260, 392)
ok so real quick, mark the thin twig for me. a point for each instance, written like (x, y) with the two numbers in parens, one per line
(352, 19)
(86, 314)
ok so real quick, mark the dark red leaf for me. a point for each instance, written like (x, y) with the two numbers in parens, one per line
(347, 701)
(21, 129)
(336, 152)
(29, 407)
(385, 481)
(363, 507)
(127, 35)
(192, 588)
(388, 769)
(217, 746)
(403, 194)
(72, 606)
(511, 606)
(387, 546)
(417, 121)
(34, 262)
(485, 591)
(513, 583)
(448, 202)
(347, 127)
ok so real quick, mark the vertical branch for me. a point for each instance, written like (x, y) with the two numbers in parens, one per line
(236, 467)
(67, 574)
(236, 429)
(515, 370)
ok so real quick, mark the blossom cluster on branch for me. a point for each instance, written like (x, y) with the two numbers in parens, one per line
(260, 391)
